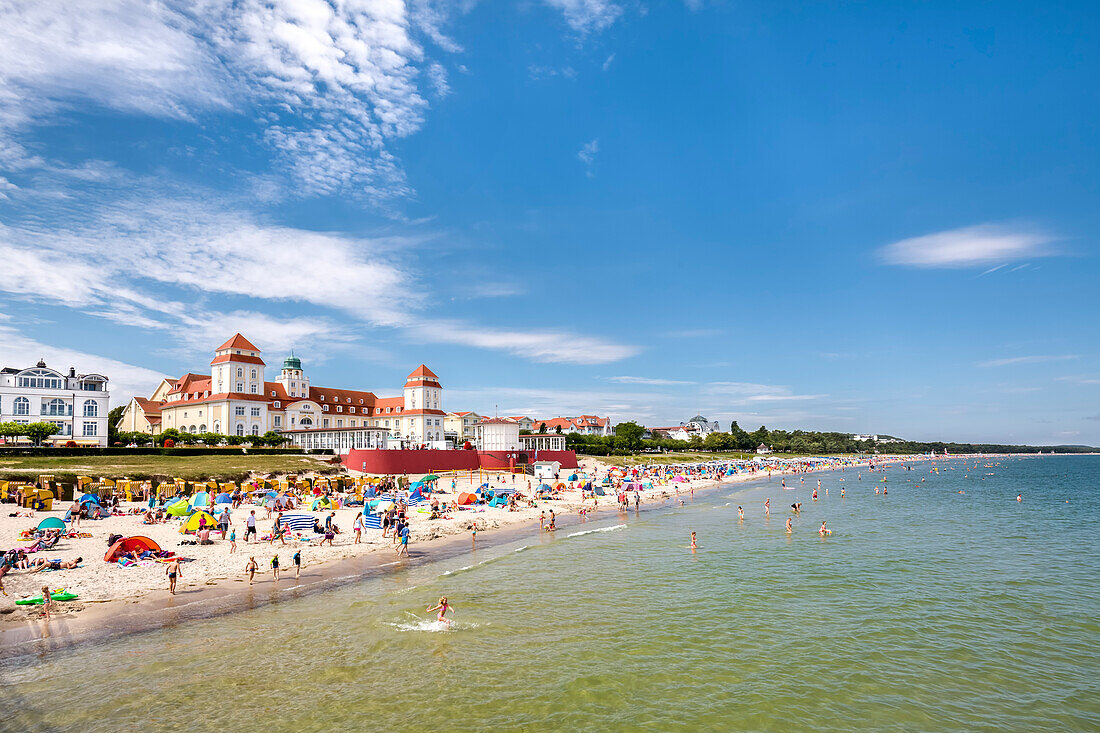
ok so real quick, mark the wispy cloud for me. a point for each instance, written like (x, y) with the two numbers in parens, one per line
(587, 155)
(588, 16)
(696, 333)
(646, 380)
(144, 262)
(333, 84)
(1080, 379)
(608, 61)
(968, 247)
(749, 392)
(1025, 360)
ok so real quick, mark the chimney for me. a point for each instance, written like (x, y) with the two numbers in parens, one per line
(72, 372)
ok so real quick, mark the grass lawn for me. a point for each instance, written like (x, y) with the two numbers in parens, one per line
(224, 468)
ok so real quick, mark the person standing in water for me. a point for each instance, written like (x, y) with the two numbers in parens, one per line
(297, 564)
(788, 528)
(251, 569)
(740, 514)
(824, 531)
(767, 507)
(1019, 497)
(442, 607)
(275, 567)
(693, 545)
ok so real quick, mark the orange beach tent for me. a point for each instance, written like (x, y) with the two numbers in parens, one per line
(129, 544)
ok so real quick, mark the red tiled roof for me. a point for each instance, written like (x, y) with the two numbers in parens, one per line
(238, 342)
(149, 407)
(423, 371)
(238, 357)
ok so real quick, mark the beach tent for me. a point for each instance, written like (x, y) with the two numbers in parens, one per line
(179, 509)
(298, 521)
(679, 479)
(572, 477)
(466, 498)
(127, 545)
(600, 491)
(93, 498)
(323, 503)
(200, 499)
(559, 485)
(378, 505)
(191, 524)
(51, 523)
(223, 499)
(499, 501)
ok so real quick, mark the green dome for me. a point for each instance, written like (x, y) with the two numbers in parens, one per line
(292, 362)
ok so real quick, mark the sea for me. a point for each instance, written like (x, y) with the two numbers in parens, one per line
(940, 604)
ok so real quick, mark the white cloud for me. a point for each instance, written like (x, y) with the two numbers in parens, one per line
(143, 262)
(646, 380)
(126, 380)
(969, 246)
(437, 75)
(588, 16)
(750, 392)
(607, 62)
(1025, 360)
(587, 155)
(332, 83)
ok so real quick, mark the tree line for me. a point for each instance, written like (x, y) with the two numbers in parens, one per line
(629, 439)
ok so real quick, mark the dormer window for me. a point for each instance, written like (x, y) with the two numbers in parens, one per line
(360, 402)
(339, 408)
(351, 409)
(322, 398)
(324, 407)
(272, 393)
(348, 400)
(276, 404)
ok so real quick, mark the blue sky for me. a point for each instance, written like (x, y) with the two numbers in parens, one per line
(865, 217)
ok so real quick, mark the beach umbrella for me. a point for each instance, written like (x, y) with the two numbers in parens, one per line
(572, 477)
(51, 523)
(429, 477)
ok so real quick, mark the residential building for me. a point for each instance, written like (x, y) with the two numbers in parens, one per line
(525, 423)
(697, 425)
(76, 403)
(236, 399)
(459, 426)
(583, 424)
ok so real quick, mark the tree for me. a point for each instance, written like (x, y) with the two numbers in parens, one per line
(272, 438)
(114, 417)
(629, 435)
(542, 428)
(10, 429)
(759, 436)
(719, 441)
(39, 431)
(558, 429)
(695, 443)
(169, 434)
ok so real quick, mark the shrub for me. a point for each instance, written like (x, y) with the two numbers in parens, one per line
(169, 443)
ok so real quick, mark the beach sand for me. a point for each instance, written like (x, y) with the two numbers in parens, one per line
(109, 589)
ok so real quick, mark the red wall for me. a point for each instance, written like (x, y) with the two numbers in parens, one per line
(423, 461)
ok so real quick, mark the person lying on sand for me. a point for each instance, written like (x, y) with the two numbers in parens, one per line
(43, 564)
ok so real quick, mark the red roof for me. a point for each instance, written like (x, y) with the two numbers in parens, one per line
(497, 421)
(149, 407)
(423, 371)
(238, 342)
(238, 357)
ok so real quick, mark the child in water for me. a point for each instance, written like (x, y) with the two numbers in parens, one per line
(442, 607)
(740, 514)
(788, 525)
(824, 530)
(693, 545)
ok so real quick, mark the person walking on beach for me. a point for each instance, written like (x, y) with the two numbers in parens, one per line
(297, 564)
(357, 526)
(223, 522)
(275, 566)
(403, 546)
(232, 541)
(250, 526)
(172, 571)
(251, 569)
(74, 514)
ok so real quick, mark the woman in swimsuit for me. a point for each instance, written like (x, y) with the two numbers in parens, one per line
(693, 545)
(442, 607)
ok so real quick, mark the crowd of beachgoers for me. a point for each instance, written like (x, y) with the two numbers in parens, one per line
(110, 547)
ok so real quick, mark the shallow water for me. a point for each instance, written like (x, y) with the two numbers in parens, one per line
(926, 610)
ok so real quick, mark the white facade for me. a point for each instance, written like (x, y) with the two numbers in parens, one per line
(75, 403)
(499, 434)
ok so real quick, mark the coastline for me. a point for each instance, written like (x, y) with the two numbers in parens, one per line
(152, 608)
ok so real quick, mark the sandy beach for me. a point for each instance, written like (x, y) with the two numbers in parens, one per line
(107, 589)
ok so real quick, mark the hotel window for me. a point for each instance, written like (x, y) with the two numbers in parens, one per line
(255, 412)
(339, 423)
(89, 429)
(322, 398)
(240, 429)
(353, 423)
(351, 409)
(240, 372)
(238, 411)
(253, 373)
(324, 423)
(276, 403)
(255, 429)
(360, 402)
(324, 407)
(339, 408)
(276, 420)
(272, 393)
(253, 390)
(22, 406)
(240, 386)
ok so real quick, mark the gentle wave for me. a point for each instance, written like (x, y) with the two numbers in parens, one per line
(591, 531)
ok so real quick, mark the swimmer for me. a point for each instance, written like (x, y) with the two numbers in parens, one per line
(1019, 497)
(814, 495)
(788, 525)
(693, 545)
(824, 530)
(442, 607)
(884, 491)
(842, 492)
(876, 489)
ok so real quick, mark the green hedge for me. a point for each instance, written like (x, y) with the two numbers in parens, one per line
(151, 451)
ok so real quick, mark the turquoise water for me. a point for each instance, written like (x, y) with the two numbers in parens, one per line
(926, 610)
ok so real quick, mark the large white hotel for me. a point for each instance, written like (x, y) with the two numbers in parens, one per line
(76, 403)
(235, 399)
